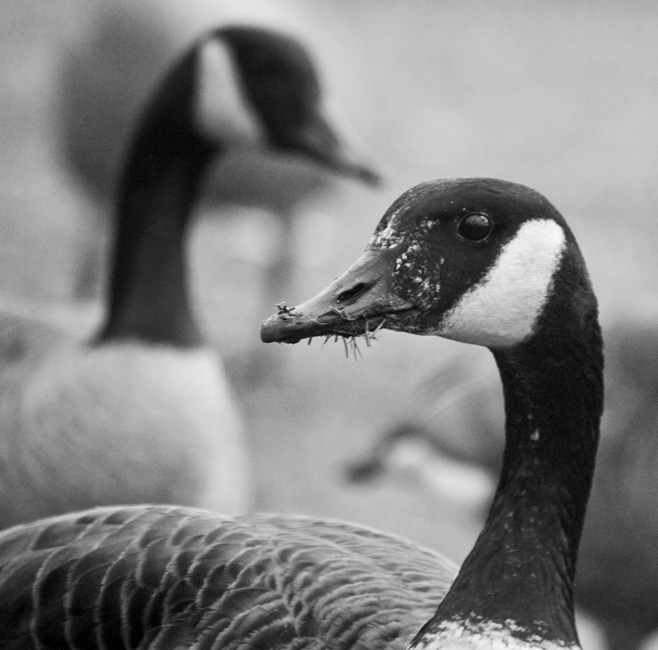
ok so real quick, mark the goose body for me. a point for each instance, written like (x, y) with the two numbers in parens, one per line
(151, 445)
(142, 412)
(211, 581)
(197, 580)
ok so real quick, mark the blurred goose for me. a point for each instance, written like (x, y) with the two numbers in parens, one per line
(618, 571)
(103, 76)
(478, 260)
(143, 412)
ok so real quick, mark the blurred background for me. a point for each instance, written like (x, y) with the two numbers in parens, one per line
(562, 97)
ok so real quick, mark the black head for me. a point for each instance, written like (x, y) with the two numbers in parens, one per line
(476, 260)
(259, 86)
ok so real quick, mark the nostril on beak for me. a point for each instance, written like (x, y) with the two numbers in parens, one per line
(353, 293)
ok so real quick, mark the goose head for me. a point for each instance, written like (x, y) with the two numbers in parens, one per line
(259, 88)
(492, 263)
(474, 260)
(235, 88)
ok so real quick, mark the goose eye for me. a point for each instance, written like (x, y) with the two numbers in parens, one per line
(475, 227)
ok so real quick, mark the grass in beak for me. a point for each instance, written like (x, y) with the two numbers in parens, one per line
(350, 338)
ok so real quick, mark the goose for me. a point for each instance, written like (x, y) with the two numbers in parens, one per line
(618, 572)
(481, 261)
(103, 74)
(142, 412)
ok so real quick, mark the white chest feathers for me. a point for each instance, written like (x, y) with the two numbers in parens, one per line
(503, 308)
(125, 424)
(486, 635)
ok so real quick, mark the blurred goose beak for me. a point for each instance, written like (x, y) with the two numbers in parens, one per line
(356, 303)
(328, 138)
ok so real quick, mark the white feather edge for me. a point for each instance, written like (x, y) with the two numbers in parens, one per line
(221, 110)
(486, 635)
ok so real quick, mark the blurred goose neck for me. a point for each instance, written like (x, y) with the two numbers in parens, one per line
(148, 293)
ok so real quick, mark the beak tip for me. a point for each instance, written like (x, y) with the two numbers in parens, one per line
(281, 328)
(266, 336)
(371, 177)
(361, 169)
(360, 172)
(270, 330)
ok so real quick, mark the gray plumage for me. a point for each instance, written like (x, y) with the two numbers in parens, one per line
(171, 577)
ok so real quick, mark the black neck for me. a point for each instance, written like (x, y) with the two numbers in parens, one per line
(148, 296)
(523, 564)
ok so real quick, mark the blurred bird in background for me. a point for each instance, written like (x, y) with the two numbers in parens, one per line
(143, 412)
(260, 195)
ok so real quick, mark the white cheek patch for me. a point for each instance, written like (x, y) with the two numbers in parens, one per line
(503, 308)
(221, 110)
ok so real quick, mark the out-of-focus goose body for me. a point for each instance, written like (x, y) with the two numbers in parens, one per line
(443, 260)
(143, 412)
(150, 446)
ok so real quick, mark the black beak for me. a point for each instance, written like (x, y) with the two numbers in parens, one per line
(358, 300)
(327, 139)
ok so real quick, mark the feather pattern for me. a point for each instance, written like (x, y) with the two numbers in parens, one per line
(179, 577)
